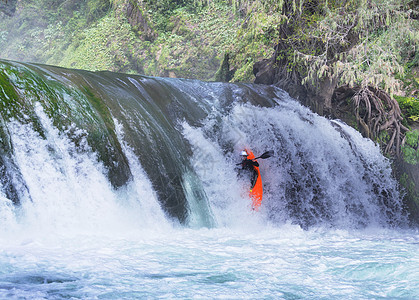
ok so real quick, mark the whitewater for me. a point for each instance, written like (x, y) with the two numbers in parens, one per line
(330, 227)
(80, 239)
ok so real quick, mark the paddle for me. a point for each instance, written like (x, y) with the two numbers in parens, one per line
(267, 154)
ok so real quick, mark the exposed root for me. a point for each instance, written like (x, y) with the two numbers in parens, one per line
(378, 116)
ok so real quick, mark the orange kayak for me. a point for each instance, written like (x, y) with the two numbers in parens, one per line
(256, 190)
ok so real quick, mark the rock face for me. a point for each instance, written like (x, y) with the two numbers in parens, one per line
(224, 74)
(268, 72)
(265, 72)
(408, 176)
(319, 100)
(138, 21)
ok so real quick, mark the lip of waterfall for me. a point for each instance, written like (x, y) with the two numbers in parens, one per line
(185, 134)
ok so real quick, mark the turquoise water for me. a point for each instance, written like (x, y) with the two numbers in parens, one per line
(252, 262)
(79, 238)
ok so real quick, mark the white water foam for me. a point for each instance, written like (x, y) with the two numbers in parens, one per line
(69, 189)
(140, 190)
(322, 171)
(79, 238)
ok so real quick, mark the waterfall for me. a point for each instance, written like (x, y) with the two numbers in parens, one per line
(85, 149)
(324, 172)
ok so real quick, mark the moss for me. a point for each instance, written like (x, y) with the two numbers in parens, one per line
(100, 108)
(104, 141)
(411, 147)
(245, 73)
(8, 95)
(65, 106)
(12, 104)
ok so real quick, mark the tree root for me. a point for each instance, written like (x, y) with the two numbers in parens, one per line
(379, 117)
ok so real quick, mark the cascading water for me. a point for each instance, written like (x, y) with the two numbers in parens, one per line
(323, 172)
(121, 186)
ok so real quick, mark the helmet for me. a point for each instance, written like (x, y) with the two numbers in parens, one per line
(244, 153)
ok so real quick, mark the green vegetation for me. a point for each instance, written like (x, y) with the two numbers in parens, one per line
(11, 104)
(367, 43)
(110, 44)
(161, 38)
(411, 147)
(40, 30)
(362, 43)
(409, 107)
(8, 95)
(186, 38)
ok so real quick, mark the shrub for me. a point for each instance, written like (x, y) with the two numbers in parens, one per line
(410, 148)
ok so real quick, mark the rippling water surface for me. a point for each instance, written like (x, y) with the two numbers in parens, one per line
(258, 262)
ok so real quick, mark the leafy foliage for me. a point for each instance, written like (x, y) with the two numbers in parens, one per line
(410, 107)
(41, 28)
(360, 42)
(411, 147)
(105, 46)
(256, 36)
(194, 43)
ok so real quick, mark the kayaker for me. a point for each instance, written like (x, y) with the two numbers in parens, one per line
(248, 165)
(251, 166)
